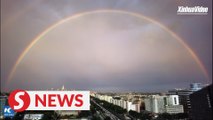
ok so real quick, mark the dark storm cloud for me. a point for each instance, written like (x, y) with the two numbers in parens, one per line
(23, 20)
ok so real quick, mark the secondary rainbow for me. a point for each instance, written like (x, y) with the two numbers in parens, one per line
(180, 40)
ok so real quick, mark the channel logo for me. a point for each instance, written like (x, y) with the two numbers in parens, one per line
(8, 112)
(196, 10)
(20, 100)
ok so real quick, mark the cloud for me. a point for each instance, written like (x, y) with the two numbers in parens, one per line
(102, 51)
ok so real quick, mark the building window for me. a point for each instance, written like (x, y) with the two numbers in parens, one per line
(165, 101)
(208, 99)
(175, 100)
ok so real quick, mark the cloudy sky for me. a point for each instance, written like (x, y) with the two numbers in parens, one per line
(105, 47)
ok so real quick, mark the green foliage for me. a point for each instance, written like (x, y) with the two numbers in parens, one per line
(111, 107)
(107, 118)
(167, 116)
(141, 116)
(96, 118)
(84, 114)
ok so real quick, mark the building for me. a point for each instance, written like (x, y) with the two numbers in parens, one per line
(184, 95)
(128, 104)
(163, 104)
(174, 109)
(135, 106)
(66, 112)
(184, 99)
(196, 86)
(3, 102)
(201, 104)
(153, 104)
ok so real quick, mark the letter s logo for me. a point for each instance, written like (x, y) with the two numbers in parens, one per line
(19, 100)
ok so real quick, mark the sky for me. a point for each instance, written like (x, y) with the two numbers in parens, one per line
(104, 50)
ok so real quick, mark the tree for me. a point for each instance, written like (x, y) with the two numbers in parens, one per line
(107, 118)
(165, 116)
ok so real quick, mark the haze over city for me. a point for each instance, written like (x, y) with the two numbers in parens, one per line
(106, 45)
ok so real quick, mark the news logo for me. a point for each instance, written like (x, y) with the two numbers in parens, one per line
(8, 111)
(20, 100)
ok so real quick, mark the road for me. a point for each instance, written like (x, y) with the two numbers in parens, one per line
(107, 113)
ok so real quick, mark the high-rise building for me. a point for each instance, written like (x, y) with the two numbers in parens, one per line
(195, 86)
(128, 104)
(184, 95)
(163, 104)
(154, 104)
(201, 104)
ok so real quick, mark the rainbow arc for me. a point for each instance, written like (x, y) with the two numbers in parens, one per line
(140, 16)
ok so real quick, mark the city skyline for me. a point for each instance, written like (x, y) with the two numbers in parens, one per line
(104, 45)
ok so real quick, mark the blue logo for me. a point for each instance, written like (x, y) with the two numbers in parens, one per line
(8, 111)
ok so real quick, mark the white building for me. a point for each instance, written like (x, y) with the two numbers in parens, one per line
(184, 95)
(132, 106)
(163, 104)
(125, 104)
